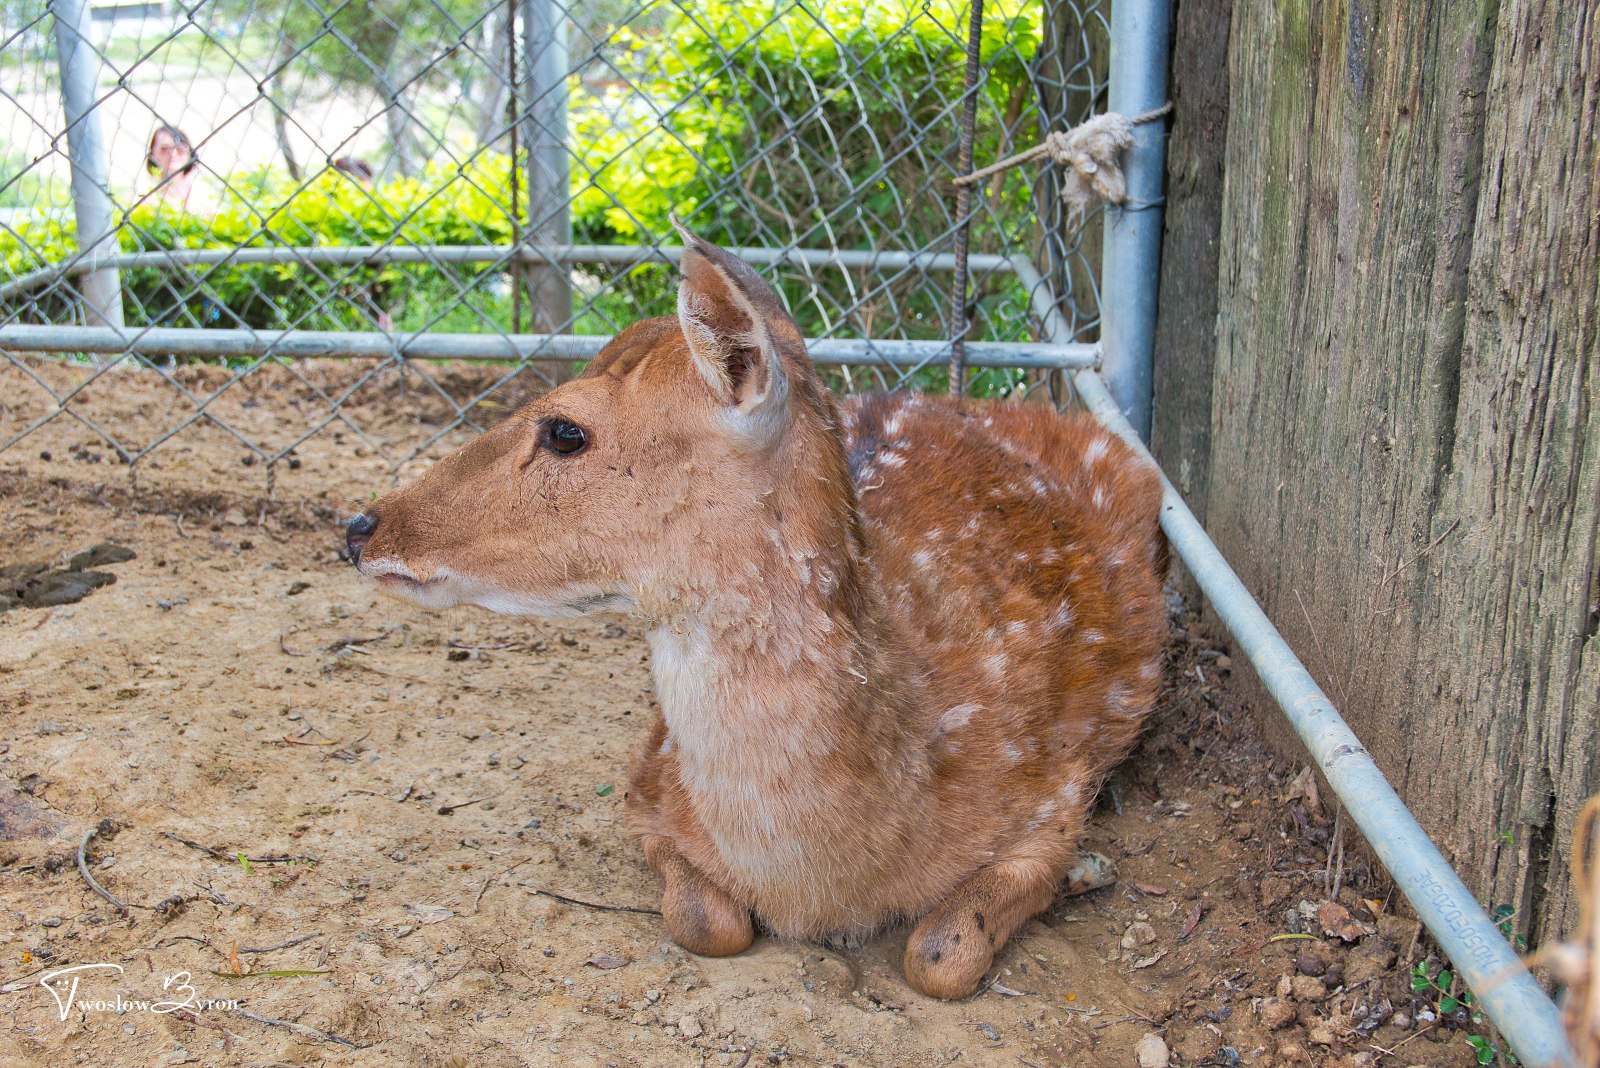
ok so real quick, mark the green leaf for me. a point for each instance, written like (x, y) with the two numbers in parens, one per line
(604, 789)
(244, 862)
(1447, 1005)
(1444, 980)
(1419, 983)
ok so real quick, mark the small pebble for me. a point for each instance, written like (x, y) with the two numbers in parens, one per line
(689, 1027)
(1152, 1052)
(989, 1032)
(1138, 934)
(1290, 1052)
(1310, 964)
(1276, 1014)
(652, 996)
(1308, 988)
(1401, 1020)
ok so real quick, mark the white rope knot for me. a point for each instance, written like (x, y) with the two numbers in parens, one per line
(1090, 154)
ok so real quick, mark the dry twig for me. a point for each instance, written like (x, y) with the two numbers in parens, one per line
(233, 858)
(83, 867)
(588, 904)
(298, 1028)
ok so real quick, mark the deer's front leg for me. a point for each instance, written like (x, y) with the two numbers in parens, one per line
(954, 945)
(701, 917)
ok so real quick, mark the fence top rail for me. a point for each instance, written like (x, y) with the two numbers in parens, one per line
(310, 344)
(506, 255)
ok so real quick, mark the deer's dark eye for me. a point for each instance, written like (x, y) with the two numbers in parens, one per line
(564, 438)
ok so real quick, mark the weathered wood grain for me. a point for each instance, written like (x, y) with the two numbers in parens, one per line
(1185, 348)
(1403, 450)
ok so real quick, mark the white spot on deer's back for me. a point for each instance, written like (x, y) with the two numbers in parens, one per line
(1096, 451)
(1017, 627)
(827, 580)
(1099, 497)
(891, 459)
(923, 558)
(1092, 636)
(1120, 700)
(996, 664)
(1042, 815)
(956, 718)
(1011, 752)
(1151, 669)
(1062, 618)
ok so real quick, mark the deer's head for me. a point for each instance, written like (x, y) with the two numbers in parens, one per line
(684, 442)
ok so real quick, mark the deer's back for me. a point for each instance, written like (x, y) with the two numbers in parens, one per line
(1019, 550)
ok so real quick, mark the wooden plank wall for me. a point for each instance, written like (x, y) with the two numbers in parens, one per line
(1391, 420)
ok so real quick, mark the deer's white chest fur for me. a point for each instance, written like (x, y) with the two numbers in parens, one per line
(745, 749)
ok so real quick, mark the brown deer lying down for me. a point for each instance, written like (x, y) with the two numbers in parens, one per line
(898, 642)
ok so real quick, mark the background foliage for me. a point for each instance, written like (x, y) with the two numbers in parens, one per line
(838, 121)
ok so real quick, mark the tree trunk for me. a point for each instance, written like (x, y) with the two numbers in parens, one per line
(496, 94)
(1186, 324)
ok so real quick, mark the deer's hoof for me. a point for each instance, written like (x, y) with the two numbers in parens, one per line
(1091, 871)
(948, 954)
(706, 921)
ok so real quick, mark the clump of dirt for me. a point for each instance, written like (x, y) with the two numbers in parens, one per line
(43, 585)
(350, 832)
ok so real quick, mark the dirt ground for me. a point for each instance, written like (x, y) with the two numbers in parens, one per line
(440, 876)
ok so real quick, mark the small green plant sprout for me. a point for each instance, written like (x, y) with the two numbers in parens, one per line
(1442, 986)
(1506, 837)
(604, 789)
(244, 862)
(1486, 1052)
(1504, 915)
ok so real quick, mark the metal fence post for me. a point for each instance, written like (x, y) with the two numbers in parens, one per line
(549, 185)
(1141, 32)
(88, 153)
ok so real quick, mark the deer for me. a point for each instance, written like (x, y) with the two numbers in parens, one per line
(897, 641)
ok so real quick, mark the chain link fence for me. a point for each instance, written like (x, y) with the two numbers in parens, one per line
(245, 184)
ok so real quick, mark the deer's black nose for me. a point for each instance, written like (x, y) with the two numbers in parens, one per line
(357, 534)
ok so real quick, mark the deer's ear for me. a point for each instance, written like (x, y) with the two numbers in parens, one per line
(729, 316)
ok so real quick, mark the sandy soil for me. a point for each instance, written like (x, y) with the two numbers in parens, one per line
(416, 788)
